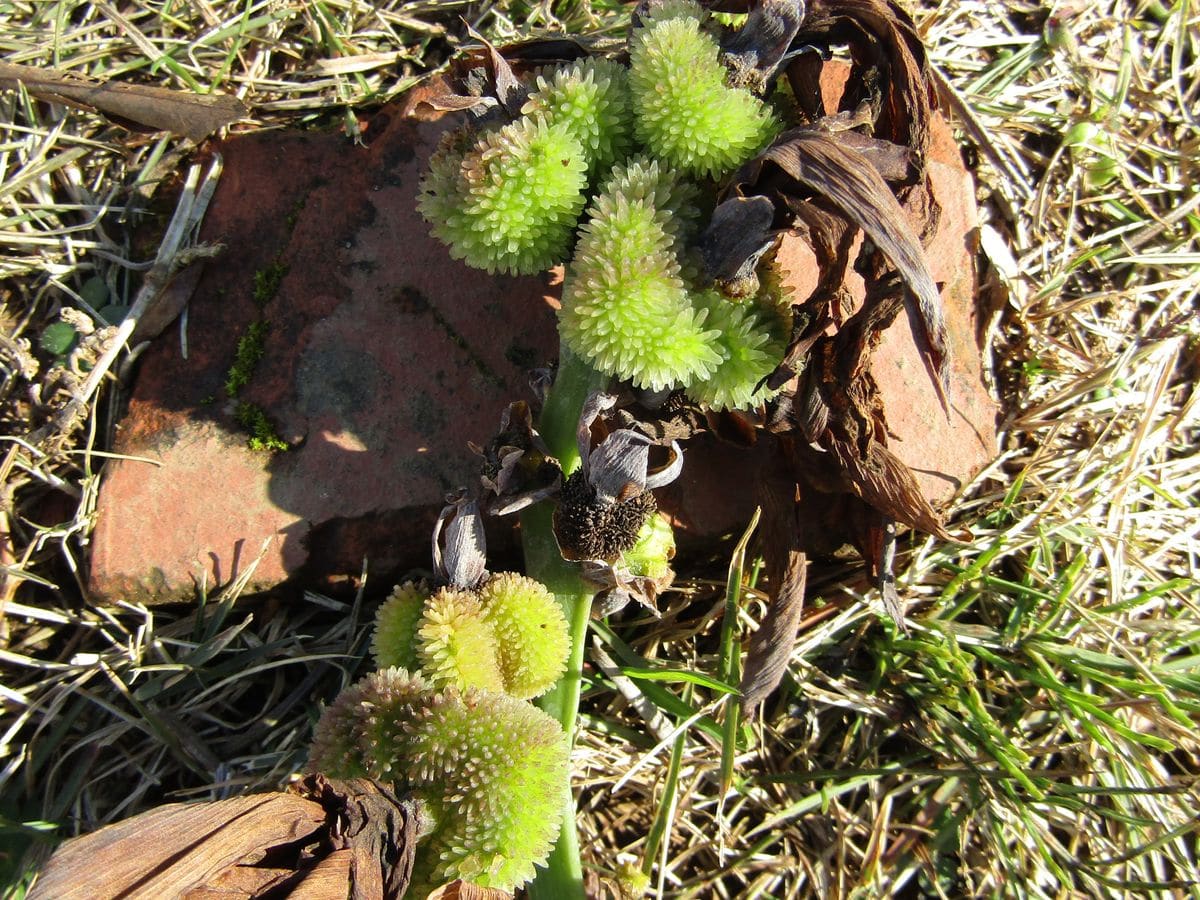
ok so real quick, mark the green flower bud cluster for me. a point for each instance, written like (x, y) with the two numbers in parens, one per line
(447, 719)
(600, 159)
(590, 99)
(751, 346)
(510, 203)
(625, 306)
(488, 769)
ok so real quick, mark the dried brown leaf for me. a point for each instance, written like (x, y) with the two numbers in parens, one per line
(174, 849)
(462, 890)
(754, 53)
(244, 883)
(771, 646)
(823, 163)
(885, 483)
(170, 304)
(194, 116)
(511, 93)
(737, 236)
(451, 102)
(787, 570)
(882, 38)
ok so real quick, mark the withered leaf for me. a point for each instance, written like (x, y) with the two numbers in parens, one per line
(192, 115)
(771, 646)
(247, 883)
(821, 162)
(462, 890)
(737, 235)
(886, 484)
(171, 302)
(754, 53)
(787, 571)
(174, 849)
(450, 102)
(882, 36)
(892, 161)
(511, 93)
(463, 562)
(547, 51)
(886, 574)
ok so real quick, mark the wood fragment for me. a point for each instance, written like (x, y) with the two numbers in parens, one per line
(378, 828)
(462, 890)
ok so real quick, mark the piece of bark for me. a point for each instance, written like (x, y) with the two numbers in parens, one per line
(378, 829)
(242, 883)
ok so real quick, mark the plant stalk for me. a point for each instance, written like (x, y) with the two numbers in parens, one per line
(562, 879)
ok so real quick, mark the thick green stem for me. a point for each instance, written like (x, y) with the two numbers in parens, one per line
(562, 879)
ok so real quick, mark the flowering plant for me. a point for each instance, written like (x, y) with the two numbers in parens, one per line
(662, 179)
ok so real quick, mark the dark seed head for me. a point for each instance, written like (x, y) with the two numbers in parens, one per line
(589, 529)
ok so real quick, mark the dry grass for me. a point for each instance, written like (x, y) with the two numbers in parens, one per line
(1034, 736)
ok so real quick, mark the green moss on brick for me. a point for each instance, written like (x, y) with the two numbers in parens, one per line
(267, 281)
(250, 349)
(263, 436)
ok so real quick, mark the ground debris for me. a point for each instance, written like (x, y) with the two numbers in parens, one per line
(322, 840)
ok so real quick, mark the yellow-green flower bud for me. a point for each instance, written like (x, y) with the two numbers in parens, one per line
(530, 630)
(362, 732)
(591, 99)
(683, 111)
(456, 646)
(625, 308)
(651, 556)
(513, 201)
(394, 638)
(750, 348)
(492, 769)
(672, 198)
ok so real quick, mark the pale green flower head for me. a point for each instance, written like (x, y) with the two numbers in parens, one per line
(684, 113)
(510, 203)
